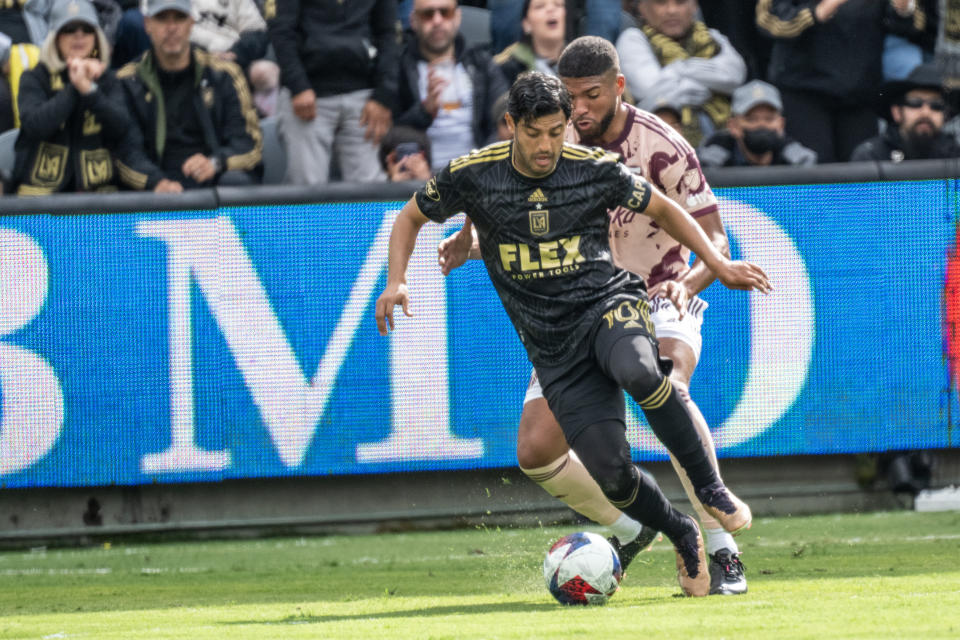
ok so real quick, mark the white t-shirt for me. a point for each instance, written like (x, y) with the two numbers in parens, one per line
(451, 134)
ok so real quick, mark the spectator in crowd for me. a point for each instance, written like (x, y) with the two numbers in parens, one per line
(916, 108)
(755, 135)
(131, 39)
(74, 119)
(445, 89)
(339, 66)
(405, 154)
(108, 17)
(666, 108)
(499, 116)
(233, 30)
(903, 54)
(737, 20)
(192, 110)
(674, 53)
(947, 49)
(826, 62)
(604, 18)
(543, 39)
(23, 29)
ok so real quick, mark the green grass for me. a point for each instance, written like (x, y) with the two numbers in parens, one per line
(887, 575)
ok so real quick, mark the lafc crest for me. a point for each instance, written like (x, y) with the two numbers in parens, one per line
(539, 219)
(539, 222)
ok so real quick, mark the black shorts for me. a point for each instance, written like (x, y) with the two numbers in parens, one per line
(580, 392)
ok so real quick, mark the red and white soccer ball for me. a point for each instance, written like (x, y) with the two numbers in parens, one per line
(582, 568)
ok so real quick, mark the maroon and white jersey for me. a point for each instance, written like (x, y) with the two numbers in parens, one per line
(667, 161)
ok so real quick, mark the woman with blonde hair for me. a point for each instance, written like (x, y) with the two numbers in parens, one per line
(73, 119)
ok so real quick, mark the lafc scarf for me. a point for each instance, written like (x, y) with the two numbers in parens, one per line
(698, 44)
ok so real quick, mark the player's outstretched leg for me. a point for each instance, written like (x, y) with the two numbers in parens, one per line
(605, 453)
(632, 361)
(545, 457)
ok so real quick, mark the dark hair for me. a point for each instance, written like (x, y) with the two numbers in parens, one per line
(399, 134)
(588, 56)
(535, 95)
(527, 38)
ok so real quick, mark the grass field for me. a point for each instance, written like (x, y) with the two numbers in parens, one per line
(885, 575)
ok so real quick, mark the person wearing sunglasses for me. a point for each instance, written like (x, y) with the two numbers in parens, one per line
(73, 120)
(445, 88)
(916, 109)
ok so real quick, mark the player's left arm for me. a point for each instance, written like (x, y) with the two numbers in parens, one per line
(456, 249)
(734, 274)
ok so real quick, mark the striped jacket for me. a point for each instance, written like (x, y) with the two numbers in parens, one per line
(231, 129)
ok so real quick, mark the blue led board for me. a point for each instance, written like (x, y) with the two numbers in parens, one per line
(240, 343)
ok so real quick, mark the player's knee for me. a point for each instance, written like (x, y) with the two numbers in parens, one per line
(605, 452)
(540, 440)
(634, 366)
(617, 481)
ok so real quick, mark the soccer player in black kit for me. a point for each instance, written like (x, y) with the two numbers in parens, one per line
(540, 209)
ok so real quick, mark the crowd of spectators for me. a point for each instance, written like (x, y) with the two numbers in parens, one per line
(168, 95)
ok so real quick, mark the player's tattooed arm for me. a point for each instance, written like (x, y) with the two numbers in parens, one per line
(734, 274)
(456, 249)
(403, 238)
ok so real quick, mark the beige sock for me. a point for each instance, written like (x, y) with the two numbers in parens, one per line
(568, 480)
(703, 430)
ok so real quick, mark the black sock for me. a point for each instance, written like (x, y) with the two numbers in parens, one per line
(647, 505)
(672, 425)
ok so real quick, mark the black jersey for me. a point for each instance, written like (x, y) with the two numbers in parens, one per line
(544, 240)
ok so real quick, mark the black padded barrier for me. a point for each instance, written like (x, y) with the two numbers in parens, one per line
(211, 199)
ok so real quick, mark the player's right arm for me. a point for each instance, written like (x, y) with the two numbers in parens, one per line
(403, 239)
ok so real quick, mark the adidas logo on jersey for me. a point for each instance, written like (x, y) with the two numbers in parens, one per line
(537, 196)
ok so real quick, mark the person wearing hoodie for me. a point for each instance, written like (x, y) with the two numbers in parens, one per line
(74, 123)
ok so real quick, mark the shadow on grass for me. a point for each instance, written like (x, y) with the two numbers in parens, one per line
(466, 609)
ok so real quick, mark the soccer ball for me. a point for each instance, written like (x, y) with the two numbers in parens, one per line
(582, 568)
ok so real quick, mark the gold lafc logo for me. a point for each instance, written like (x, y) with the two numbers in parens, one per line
(539, 219)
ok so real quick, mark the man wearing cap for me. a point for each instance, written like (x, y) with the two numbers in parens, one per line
(916, 109)
(197, 123)
(755, 134)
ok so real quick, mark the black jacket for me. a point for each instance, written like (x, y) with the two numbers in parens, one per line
(231, 129)
(336, 47)
(67, 137)
(889, 147)
(486, 77)
(721, 150)
(840, 57)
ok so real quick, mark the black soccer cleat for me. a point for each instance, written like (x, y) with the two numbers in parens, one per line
(726, 574)
(630, 550)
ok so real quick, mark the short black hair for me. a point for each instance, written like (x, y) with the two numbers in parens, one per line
(535, 94)
(401, 133)
(588, 56)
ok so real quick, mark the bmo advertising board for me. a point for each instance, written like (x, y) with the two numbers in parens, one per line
(240, 342)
